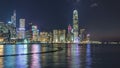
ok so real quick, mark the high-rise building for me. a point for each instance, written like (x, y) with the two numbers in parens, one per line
(21, 32)
(75, 25)
(35, 33)
(59, 36)
(3, 32)
(44, 37)
(22, 23)
(55, 36)
(13, 24)
(88, 38)
(13, 18)
(62, 36)
(29, 32)
(50, 37)
(69, 28)
(69, 34)
(82, 34)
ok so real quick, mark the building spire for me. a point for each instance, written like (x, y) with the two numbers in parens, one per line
(14, 13)
(13, 18)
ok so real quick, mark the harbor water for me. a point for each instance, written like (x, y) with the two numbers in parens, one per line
(59, 56)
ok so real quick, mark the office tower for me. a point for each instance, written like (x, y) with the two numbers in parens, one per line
(35, 33)
(21, 33)
(3, 28)
(75, 25)
(69, 34)
(3, 32)
(88, 38)
(69, 28)
(62, 36)
(29, 32)
(13, 24)
(50, 37)
(59, 36)
(82, 35)
(44, 37)
(55, 36)
(13, 18)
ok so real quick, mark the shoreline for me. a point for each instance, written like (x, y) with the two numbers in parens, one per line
(92, 42)
(51, 51)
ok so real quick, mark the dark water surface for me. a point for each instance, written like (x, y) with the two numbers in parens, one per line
(52, 56)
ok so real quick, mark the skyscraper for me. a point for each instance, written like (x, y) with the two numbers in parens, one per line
(62, 36)
(82, 34)
(29, 32)
(35, 33)
(55, 36)
(75, 25)
(13, 19)
(21, 29)
(70, 34)
(69, 28)
(13, 23)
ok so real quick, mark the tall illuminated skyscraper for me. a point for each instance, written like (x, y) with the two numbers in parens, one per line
(13, 23)
(70, 34)
(35, 33)
(75, 25)
(13, 18)
(59, 36)
(21, 29)
(69, 28)
(82, 34)
(55, 36)
(62, 36)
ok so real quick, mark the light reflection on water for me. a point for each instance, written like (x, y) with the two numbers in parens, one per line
(75, 56)
(88, 56)
(72, 56)
(21, 49)
(21, 60)
(35, 58)
(9, 61)
(1, 53)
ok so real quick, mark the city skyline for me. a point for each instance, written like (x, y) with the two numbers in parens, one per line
(99, 18)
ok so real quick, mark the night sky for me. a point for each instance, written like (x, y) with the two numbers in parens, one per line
(100, 18)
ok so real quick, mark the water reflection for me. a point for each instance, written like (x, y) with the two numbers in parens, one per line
(30, 56)
(88, 56)
(21, 60)
(1, 53)
(35, 58)
(21, 49)
(75, 55)
(69, 55)
(1, 49)
(61, 57)
(1, 62)
(79, 56)
(9, 49)
(9, 61)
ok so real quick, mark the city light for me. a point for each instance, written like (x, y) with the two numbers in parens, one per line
(9, 22)
(73, 35)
